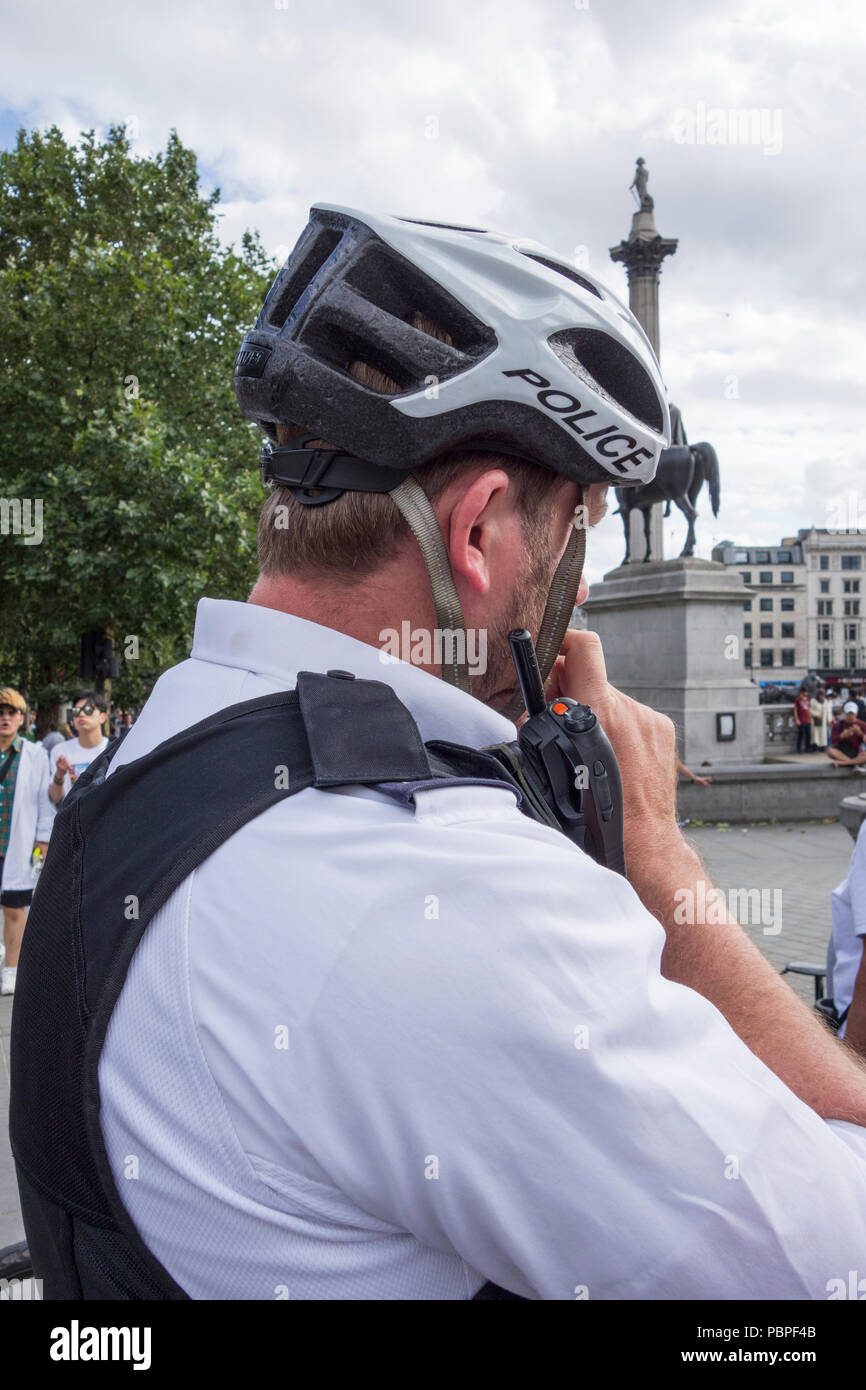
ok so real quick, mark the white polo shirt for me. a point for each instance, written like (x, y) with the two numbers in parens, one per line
(371, 1052)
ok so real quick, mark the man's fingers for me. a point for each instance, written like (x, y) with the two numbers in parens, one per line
(584, 675)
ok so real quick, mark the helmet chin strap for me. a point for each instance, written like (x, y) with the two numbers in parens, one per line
(419, 515)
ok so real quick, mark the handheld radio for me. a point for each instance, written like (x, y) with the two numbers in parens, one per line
(564, 764)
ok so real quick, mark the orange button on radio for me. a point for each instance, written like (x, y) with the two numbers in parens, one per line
(560, 708)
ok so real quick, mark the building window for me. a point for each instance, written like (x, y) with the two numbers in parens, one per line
(787, 576)
(825, 608)
(850, 562)
(851, 632)
(851, 586)
(766, 629)
(765, 576)
(766, 656)
(787, 605)
(823, 632)
(746, 576)
(851, 657)
(748, 656)
(825, 585)
(747, 629)
(787, 629)
(783, 557)
(762, 557)
(766, 605)
(747, 606)
(787, 656)
(823, 562)
(851, 607)
(824, 657)
(741, 557)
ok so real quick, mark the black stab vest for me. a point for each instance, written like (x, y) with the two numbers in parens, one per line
(143, 831)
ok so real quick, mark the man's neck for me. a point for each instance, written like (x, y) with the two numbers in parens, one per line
(90, 740)
(6, 741)
(360, 612)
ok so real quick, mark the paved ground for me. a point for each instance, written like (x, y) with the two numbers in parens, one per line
(802, 862)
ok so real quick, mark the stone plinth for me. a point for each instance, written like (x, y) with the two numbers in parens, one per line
(672, 637)
(852, 812)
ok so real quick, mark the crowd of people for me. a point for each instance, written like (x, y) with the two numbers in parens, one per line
(35, 776)
(836, 727)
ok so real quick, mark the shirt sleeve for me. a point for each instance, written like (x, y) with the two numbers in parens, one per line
(45, 808)
(501, 1070)
(857, 882)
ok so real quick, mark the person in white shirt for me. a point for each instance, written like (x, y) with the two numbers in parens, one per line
(68, 760)
(820, 707)
(452, 1048)
(25, 825)
(848, 985)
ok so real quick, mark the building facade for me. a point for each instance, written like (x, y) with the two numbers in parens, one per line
(775, 607)
(835, 574)
(803, 608)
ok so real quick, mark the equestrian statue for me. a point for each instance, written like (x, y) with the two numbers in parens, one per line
(683, 469)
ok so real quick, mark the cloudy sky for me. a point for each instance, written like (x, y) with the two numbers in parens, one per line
(527, 116)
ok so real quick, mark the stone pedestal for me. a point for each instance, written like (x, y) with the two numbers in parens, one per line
(672, 633)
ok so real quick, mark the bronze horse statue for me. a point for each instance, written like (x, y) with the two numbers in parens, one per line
(683, 469)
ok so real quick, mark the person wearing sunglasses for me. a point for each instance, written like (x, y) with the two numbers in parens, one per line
(25, 824)
(70, 759)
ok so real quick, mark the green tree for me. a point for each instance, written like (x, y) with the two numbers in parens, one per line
(120, 315)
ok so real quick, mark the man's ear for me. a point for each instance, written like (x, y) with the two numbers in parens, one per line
(481, 526)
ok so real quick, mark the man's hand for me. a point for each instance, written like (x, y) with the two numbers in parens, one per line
(645, 746)
(62, 770)
(711, 955)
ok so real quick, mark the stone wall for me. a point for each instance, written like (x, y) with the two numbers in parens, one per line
(772, 791)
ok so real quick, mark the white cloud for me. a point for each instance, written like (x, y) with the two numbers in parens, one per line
(527, 115)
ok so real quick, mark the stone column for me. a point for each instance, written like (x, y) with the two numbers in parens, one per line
(642, 254)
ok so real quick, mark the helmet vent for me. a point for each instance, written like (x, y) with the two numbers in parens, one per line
(617, 372)
(287, 291)
(446, 226)
(386, 280)
(340, 346)
(566, 271)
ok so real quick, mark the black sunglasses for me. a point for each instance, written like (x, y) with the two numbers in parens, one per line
(10, 709)
(81, 709)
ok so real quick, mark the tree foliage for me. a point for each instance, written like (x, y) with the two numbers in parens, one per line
(120, 315)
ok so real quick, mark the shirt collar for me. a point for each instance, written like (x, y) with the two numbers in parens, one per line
(278, 645)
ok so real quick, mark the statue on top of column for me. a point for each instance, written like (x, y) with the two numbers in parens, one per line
(639, 183)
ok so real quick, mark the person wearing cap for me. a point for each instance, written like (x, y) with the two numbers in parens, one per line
(25, 825)
(455, 1051)
(848, 739)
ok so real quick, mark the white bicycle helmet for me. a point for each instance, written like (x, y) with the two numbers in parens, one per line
(544, 363)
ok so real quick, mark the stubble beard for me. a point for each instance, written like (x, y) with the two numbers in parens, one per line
(498, 683)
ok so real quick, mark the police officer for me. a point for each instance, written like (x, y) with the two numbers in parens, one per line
(385, 1047)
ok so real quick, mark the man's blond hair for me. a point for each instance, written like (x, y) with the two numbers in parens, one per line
(9, 696)
(356, 534)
